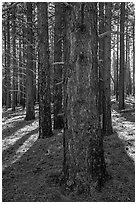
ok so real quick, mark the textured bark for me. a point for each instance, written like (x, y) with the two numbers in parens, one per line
(30, 113)
(107, 121)
(45, 125)
(122, 61)
(84, 165)
(58, 122)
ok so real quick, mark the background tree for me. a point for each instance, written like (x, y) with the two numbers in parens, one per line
(45, 125)
(14, 67)
(58, 57)
(30, 114)
(122, 61)
(7, 65)
(107, 122)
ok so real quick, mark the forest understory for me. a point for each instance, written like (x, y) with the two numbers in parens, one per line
(31, 166)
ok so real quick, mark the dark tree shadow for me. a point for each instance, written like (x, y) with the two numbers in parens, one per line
(35, 176)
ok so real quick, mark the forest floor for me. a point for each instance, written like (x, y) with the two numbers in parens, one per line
(30, 165)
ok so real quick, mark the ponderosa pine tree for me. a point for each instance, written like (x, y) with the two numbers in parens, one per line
(30, 113)
(84, 164)
(45, 125)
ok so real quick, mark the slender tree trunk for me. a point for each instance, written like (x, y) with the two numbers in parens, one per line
(30, 113)
(58, 121)
(117, 69)
(101, 62)
(14, 90)
(128, 85)
(122, 61)
(45, 125)
(8, 61)
(107, 121)
(24, 70)
(66, 54)
(134, 59)
(85, 162)
(4, 62)
(21, 99)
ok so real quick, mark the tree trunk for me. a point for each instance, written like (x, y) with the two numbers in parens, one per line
(8, 61)
(133, 58)
(117, 69)
(14, 90)
(128, 85)
(101, 62)
(58, 121)
(107, 121)
(4, 68)
(45, 125)
(24, 70)
(114, 70)
(84, 164)
(122, 61)
(30, 113)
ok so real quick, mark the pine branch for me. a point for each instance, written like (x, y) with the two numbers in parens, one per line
(59, 63)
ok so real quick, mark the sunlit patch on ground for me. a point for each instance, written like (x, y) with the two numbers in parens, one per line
(21, 150)
(8, 123)
(126, 132)
(12, 139)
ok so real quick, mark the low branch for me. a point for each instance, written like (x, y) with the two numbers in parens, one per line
(61, 82)
(107, 33)
(59, 63)
(127, 110)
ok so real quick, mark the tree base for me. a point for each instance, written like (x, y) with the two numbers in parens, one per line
(59, 122)
(82, 185)
(46, 136)
(29, 117)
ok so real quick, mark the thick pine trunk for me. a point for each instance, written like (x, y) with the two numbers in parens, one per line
(45, 125)
(122, 61)
(84, 165)
(30, 113)
(58, 121)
